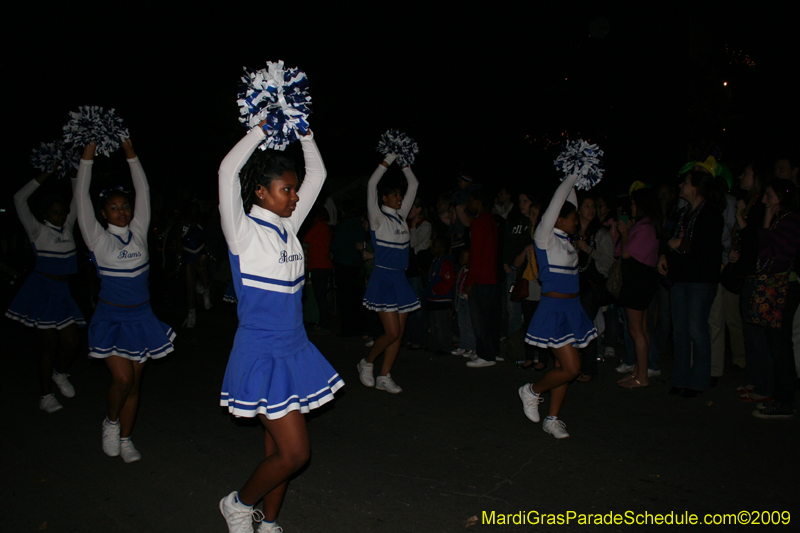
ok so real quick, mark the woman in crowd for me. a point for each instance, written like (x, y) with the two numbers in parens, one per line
(44, 301)
(388, 291)
(638, 247)
(124, 331)
(693, 265)
(560, 323)
(535, 358)
(419, 230)
(274, 373)
(595, 257)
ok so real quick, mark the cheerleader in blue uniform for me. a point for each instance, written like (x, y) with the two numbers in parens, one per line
(274, 372)
(44, 301)
(124, 331)
(560, 323)
(388, 291)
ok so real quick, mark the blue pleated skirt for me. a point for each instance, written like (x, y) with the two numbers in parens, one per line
(558, 322)
(130, 332)
(389, 290)
(45, 303)
(273, 372)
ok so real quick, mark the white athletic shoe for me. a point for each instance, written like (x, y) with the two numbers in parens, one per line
(64, 385)
(459, 351)
(369, 344)
(207, 300)
(624, 369)
(49, 404)
(111, 441)
(238, 516)
(128, 451)
(470, 354)
(365, 373)
(387, 383)
(530, 402)
(267, 527)
(556, 428)
(191, 319)
(480, 363)
(653, 373)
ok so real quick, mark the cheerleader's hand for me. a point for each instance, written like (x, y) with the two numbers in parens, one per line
(388, 160)
(127, 147)
(88, 152)
(663, 267)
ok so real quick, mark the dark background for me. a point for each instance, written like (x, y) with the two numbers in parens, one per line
(487, 92)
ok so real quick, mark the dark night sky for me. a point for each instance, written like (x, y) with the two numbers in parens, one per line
(468, 85)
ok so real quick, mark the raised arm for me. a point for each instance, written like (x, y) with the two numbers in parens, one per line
(29, 222)
(312, 183)
(90, 227)
(565, 192)
(140, 222)
(373, 206)
(72, 216)
(411, 192)
(231, 209)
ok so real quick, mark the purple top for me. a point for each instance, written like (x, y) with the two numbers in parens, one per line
(778, 245)
(642, 243)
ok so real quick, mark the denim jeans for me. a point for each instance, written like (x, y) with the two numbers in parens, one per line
(514, 308)
(441, 338)
(417, 325)
(484, 312)
(466, 336)
(691, 305)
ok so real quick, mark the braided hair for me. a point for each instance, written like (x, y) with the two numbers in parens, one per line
(261, 169)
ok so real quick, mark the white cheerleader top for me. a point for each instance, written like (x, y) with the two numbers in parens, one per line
(54, 246)
(120, 254)
(266, 255)
(555, 255)
(388, 227)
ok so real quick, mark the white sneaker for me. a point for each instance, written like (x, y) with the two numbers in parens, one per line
(609, 352)
(653, 373)
(555, 427)
(624, 369)
(480, 363)
(49, 404)
(459, 351)
(365, 373)
(499, 359)
(111, 438)
(369, 344)
(530, 402)
(267, 527)
(128, 451)
(191, 319)
(387, 383)
(64, 385)
(470, 354)
(207, 300)
(238, 515)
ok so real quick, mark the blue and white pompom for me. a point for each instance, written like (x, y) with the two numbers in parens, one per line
(400, 144)
(279, 96)
(584, 159)
(55, 154)
(93, 124)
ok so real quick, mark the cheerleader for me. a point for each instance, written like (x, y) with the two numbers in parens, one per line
(388, 291)
(560, 323)
(274, 372)
(124, 331)
(44, 301)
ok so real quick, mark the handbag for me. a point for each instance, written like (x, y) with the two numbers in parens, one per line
(614, 280)
(768, 300)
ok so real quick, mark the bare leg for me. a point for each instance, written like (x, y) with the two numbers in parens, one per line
(637, 327)
(557, 379)
(288, 447)
(49, 339)
(68, 349)
(123, 395)
(394, 324)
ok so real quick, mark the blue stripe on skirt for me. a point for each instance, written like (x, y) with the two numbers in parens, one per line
(45, 303)
(389, 290)
(558, 322)
(273, 372)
